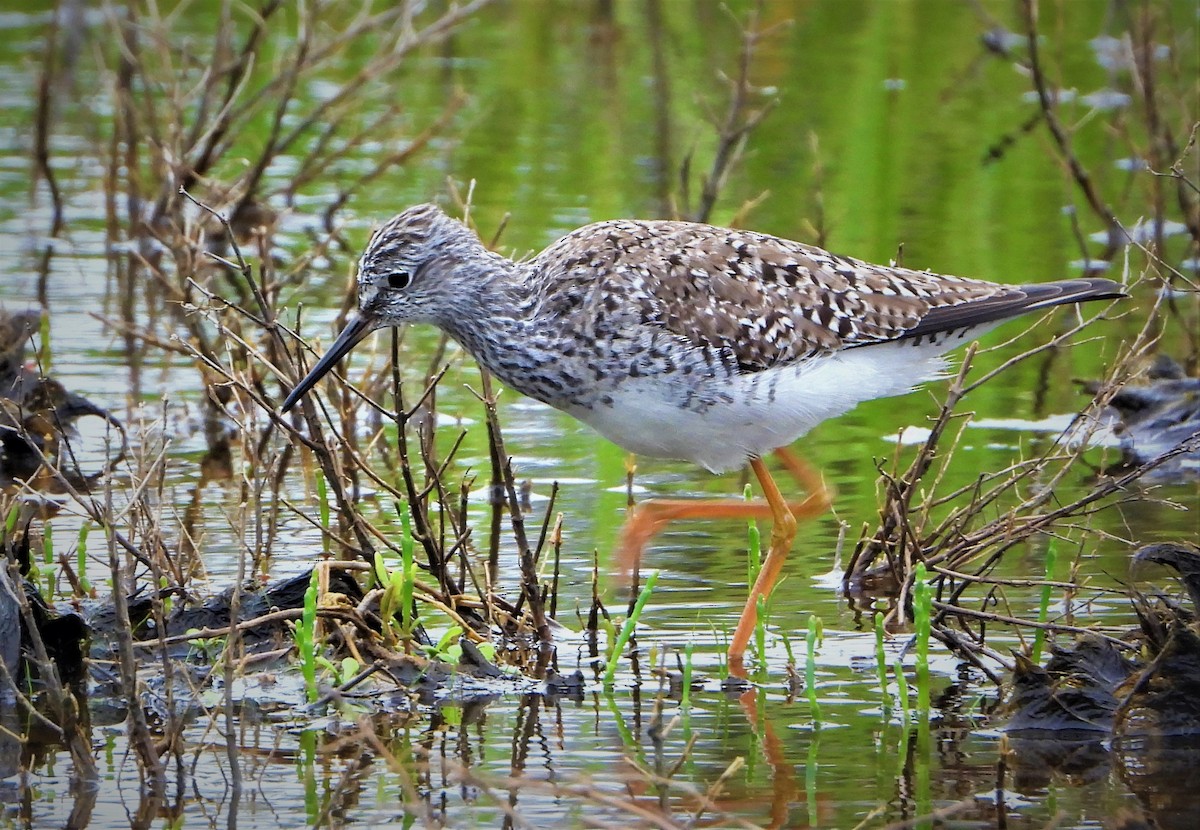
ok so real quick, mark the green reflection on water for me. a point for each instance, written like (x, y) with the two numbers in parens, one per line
(888, 112)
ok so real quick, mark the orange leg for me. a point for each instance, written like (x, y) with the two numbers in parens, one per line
(649, 517)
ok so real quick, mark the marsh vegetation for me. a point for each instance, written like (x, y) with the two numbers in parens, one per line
(395, 606)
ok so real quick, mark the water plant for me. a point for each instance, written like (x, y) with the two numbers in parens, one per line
(45, 355)
(447, 648)
(815, 631)
(760, 636)
(922, 616)
(47, 543)
(627, 629)
(323, 510)
(787, 649)
(249, 371)
(306, 638)
(206, 649)
(347, 669)
(1039, 633)
(902, 694)
(81, 558)
(407, 544)
(48, 555)
(685, 695)
(753, 544)
(881, 668)
(396, 606)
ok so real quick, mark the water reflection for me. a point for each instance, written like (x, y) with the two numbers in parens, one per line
(574, 113)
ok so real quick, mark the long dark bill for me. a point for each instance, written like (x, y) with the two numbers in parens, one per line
(355, 330)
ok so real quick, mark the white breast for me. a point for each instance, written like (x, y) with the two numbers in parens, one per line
(760, 411)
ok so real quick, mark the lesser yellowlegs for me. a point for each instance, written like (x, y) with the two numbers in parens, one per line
(685, 341)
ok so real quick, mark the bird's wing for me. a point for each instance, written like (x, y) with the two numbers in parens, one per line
(760, 299)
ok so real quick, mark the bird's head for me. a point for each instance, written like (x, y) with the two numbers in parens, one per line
(404, 275)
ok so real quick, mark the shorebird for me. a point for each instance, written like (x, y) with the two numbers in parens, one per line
(685, 341)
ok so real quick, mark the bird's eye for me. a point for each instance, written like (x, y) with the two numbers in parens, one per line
(399, 279)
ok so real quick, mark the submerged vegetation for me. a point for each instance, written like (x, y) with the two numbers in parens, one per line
(228, 167)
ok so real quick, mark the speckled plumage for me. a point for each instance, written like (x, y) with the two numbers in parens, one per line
(677, 339)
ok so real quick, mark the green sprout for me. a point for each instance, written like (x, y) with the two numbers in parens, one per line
(323, 509)
(902, 692)
(306, 639)
(81, 557)
(881, 663)
(923, 614)
(1039, 634)
(753, 546)
(627, 628)
(815, 635)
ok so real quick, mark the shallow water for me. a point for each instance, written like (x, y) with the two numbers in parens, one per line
(887, 113)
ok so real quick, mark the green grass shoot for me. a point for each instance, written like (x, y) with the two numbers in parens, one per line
(408, 583)
(753, 545)
(610, 636)
(448, 648)
(902, 693)
(48, 556)
(323, 509)
(881, 664)
(47, 544)
(81, 557)
(396, 606)
(922, 616)
(627, 629)
(306, 639)
(1039, 634)
(390, 599)
(45, 353)
(815, 632)
(760, 634)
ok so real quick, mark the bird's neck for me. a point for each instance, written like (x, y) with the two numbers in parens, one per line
(493, 317)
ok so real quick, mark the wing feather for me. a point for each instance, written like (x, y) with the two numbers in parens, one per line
(765, 301)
